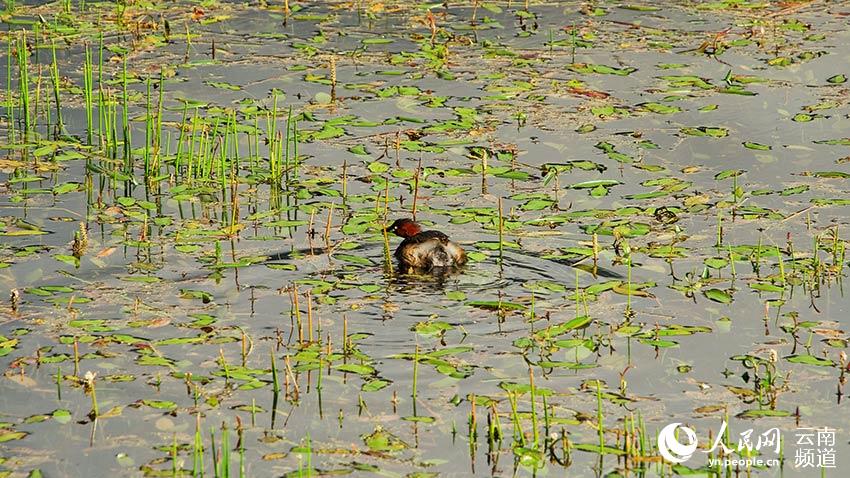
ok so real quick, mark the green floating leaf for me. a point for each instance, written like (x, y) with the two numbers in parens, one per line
(761, 413)
(356, 368)
(430, 328)
(560, 329)
(757, 146)
(830, 174)
(728, 173)
(714, 132)
(9, 435)
(419, 419)
(766, 287)
(659, 343)
(376, 41)
(640, 8)
(66, 188)
(810, 360)
(660, 108)
(718, 295)
(359, 150)
(381, 440)
(566, 365)
(160, 404)
(223, 85)
(595, 448)
(835, 142)
(364, 261)
(205, 297)
(600, 69)
(794, 190)
(495, 305)
(831, 201)
(605, 183)
(837, 79)
(70, 260)
(62, 415)
(375, 385)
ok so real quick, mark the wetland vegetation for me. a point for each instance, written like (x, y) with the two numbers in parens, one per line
(197, 280)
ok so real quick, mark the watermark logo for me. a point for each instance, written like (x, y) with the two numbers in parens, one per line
(671, 448)
(815, 447)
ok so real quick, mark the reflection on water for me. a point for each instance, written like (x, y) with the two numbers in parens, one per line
(670, 182)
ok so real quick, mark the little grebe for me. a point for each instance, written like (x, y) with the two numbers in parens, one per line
(425, 249)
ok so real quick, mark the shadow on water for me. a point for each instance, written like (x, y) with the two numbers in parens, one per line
(162, 247)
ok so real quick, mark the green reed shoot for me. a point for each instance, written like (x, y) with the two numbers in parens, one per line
(272, 138)
(719, 241)
(501, 232)
(190, 160)
(10, 98)
(731, 260)
(599, 417)
(101, 106)
(174, 455)
(76, 358)
(308, 450)
(38, 107)
(494, 429)
(838, 249)
(547, 419)
(292, 136)
(577, 296)
(113, 124)
(275, 386)
(781, 267)
(344, 181)
(472, 425)
(23, 82)
(198, 450)
(518, 436)
(224, 470)
(215, 457)
(415, 376)
(54, 74)
(148, 130)
(241, 443)
(59, 383)
(88, 93)
(629, 284)
(286, 140)
(255, 158)
(158, 128)
(534, 424)
(643, 446)
(125, 124)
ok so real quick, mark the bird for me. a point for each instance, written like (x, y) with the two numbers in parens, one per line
(425, 250)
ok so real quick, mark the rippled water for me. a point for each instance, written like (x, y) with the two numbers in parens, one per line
(181, 333)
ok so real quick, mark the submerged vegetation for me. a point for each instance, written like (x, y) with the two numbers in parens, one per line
(198, 279)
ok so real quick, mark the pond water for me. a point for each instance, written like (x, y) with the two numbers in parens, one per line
(653, 197)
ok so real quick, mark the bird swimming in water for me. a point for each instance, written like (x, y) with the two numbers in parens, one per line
(425, 250)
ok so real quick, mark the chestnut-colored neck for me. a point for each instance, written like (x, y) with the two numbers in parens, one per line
(408, 229)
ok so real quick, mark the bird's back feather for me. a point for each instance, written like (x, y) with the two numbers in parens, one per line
(430, 249)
